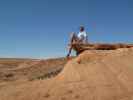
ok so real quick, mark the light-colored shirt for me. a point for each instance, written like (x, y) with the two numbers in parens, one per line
(82, 35)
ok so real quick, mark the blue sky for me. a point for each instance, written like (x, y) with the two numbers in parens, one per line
(40, 28)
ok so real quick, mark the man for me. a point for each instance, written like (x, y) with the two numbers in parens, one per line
(77, 39)
(82, 35)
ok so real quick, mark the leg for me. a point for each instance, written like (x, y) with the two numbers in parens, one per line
(73, 38)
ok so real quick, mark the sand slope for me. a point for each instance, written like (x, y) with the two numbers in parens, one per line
(94, 75)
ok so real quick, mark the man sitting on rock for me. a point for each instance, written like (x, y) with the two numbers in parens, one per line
(80, 38)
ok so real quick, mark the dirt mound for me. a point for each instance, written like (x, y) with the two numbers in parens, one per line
(93, 75)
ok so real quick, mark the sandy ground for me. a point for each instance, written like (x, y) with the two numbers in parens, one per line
(93, 75)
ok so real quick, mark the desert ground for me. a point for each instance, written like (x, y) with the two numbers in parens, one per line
(93, 75)
(13, 69)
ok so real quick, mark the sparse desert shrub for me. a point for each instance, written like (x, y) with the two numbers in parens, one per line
(9, 75)
(47, 95)
(50, 74)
